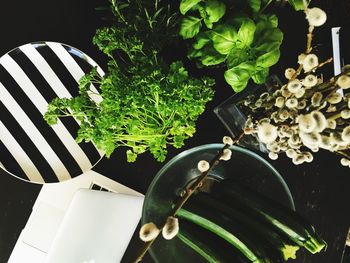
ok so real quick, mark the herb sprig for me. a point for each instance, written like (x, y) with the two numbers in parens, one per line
(146, 103)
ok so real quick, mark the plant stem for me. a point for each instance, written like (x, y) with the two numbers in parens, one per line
(307, 51)
(188, 192)
(263, 9)
(343, 154)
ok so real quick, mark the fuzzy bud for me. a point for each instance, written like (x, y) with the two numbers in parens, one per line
(203, 166)
(301, 104)
(285, 92)
(298, 159)
(345, 162)
(148, 232)
(226, 155)
(273, 156)
(267, 133)
(325, 142)
(279, 103)
(334, 98)
(345, 114)
(294, 86)
(300, 93)
(308, 157)
(171, 228)
(227, 140)
(292, 103)
(316, 99)
(321, 121)
(310, 62)
(301, 58)
(331, 108)
(310, 140)
(331, 124)
(315, 16)
(291, 153)
(307, 123)
(310, 81)
(345, 135)
(283, 115)
(289, 73)
(343, 82)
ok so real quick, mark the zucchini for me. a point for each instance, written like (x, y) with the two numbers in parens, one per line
(200, 248)
(285, 247)
(270, 212)
(208, 245)
(234, 234)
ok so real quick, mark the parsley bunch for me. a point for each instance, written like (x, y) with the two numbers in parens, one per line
(146, 103)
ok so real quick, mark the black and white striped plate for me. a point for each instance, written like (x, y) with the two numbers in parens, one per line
(30, 77)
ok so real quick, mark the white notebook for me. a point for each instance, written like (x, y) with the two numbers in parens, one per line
(97, 228)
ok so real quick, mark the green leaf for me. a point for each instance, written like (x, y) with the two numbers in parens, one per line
(131, 156)
(273, 19)
(211, 57)
(246, 33)
(190, 27)
(267, 47)
(208, 23)
(299, 5)
(195, 53)
(255, 5)
(239, 76)
(215, 10)
(269, 35)
(201, 40)
(268, 59)
(186, 5)
(236, 57)
(224, 38)
(260, 76)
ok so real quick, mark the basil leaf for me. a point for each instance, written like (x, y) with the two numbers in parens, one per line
(190, 27)
(260, 76)
(299, 4)
(236, 57)
(201, 40)
(273, 19)
(267, 47)
(269, 35)
(215, 10)
(268, 59)
(186, 5)
(208, 23)
(239, 76)
(210, 57)
(255, 5)
(224, 38)
(246, 32)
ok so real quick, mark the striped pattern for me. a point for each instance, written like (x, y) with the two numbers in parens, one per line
(30, 77)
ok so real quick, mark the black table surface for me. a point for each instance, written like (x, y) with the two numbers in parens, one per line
(320, 189)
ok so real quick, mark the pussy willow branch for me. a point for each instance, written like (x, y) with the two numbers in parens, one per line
(188, 192)
(307, 51)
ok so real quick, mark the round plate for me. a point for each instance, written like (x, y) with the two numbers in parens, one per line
(245, 166)
(30, 77)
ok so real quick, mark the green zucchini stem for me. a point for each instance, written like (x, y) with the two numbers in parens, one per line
(221, 232)
(196, 248)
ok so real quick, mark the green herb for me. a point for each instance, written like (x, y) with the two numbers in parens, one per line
(147, 104)
(247, 41)
(299, 4)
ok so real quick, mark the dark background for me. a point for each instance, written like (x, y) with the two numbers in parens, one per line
(320, 189)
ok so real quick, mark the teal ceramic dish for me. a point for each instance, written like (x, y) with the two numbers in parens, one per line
(245, 166)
